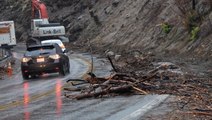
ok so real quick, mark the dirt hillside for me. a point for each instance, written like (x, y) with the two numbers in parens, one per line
(162, 26)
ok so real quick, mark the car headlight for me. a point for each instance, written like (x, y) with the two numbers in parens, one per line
(62, 46)
(56, 56)
(25, 59)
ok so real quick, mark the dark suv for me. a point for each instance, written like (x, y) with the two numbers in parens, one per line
(48, 58)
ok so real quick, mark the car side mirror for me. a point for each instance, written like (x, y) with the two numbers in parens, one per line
(65, 51)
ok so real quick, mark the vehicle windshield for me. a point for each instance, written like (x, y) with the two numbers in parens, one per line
(40, 50)
(52, 41)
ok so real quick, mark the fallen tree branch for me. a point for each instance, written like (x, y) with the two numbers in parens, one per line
(111, 62)
(121, 82)
(149, 77)
(121, 89)
(199, 113)
(203, 110)
(139, 90)
(72, 89)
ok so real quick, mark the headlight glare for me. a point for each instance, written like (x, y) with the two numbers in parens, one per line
(62, 46)
(25, 59)
(56, 56)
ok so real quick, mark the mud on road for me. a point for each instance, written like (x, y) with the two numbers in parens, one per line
(188, 79)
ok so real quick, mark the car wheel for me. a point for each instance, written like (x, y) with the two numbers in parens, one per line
(68, 66)
(33, 76)
(25, 76)
(62, 70)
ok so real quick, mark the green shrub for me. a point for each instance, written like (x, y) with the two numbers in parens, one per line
(194, 33)
(166, 28)
(191, 20)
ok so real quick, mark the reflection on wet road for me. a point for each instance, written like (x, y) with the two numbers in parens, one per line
(58, 96)
(26, 101)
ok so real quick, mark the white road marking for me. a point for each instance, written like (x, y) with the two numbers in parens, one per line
(151, 104)
(136, 111)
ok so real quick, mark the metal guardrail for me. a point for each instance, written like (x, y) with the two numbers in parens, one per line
(4, 54)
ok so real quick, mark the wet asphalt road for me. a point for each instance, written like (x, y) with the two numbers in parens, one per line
(42, 98)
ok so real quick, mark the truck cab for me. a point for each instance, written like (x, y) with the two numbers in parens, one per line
(42, 28)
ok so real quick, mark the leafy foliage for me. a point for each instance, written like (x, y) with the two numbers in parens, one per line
(166, 28)
(194, 33)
